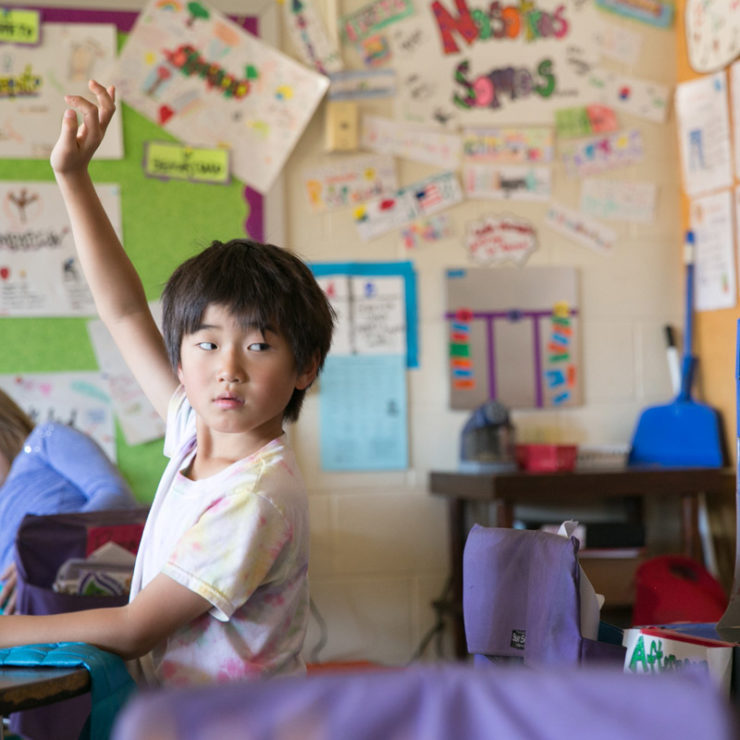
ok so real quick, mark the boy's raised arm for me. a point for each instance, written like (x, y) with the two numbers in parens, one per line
(115, 285)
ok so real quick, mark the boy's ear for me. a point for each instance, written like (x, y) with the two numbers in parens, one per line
(179, 373)
(308, 375)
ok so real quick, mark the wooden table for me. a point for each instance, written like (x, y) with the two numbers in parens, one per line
(30, 687)
(578, 487)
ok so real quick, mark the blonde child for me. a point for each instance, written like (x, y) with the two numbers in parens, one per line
(220, 585)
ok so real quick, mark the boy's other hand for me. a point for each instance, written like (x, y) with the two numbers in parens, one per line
(77, 143)
(8, 594)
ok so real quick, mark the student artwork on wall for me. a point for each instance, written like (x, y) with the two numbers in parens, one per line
(350, 181)
(308, 32)
(460, 64)
(712, 33)
(138, 419)
(618, 200)
(513, 335)
(34, 79)
(500, 239)
(203, 79)
(79, 399)
(39, 270)
(711, 220)
(704, 134)
(363, 413)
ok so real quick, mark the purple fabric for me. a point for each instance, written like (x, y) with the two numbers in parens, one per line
(521, 598)
(59, 469)
(437, 703)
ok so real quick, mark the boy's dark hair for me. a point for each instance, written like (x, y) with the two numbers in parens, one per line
(263, 286)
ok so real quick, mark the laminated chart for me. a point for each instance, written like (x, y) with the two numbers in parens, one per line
(513, 335)
(208, 82)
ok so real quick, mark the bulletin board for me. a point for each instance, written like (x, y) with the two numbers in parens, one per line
(163, 223)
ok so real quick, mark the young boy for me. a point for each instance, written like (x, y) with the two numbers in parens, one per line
(220, 584)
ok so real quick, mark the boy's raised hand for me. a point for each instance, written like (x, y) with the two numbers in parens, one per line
(77, 144)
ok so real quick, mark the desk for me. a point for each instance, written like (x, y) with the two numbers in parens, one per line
(580, 486)
(26, 688)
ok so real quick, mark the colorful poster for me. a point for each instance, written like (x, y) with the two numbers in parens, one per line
(39, 271)
(210, 83)
(712, 33)
(496, 240)
(429, 229)
(513, 335)
(34, 80)
(374, 17)
(580, 228)
(411, 142)
(704, 134)
(516, 182)
(598, 154)
(467, 64)
(309, 35)
(385, 213)
(167, 160)
(619, 200)
(503, 146)
(711, 220)
(78, 399)
(350, 181)
(637, 97)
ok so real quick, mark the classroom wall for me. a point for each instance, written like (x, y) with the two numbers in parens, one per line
(379, 540)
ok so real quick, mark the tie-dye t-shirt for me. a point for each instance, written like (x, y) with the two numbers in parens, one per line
(239, 539)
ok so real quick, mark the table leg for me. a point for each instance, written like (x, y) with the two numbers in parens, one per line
(456, 510)
(690, 526)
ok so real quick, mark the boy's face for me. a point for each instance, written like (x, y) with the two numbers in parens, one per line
(238, 380)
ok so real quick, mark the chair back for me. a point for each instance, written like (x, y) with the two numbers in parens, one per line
(521, 599)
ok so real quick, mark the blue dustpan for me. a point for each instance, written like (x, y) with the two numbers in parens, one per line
(683, 432)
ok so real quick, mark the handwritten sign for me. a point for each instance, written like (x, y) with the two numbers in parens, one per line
(360, 84)
(638, 97)
(20, 26)
(171, 161)
(409, 141)
(601, 153)
(407, 204)
(517, 182)
(712, 33)
(521, 145)
(495, 240)
(619, 200)
(582, 229)
(350, 181)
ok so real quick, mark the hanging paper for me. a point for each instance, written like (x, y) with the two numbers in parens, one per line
(598, 154)
(572, 123)
(34, 80)
(521, 145)
(350, 181)
(637, 97)
(309, 34)
(580, 228)
(205, 80)
(78, 399)
(619, 200)
(712, 34)
(20, 26)
(385, 213)
(40, 274)
(517, 182)
(704, 134)
(711, 222)
(499, 239)
(417, 143)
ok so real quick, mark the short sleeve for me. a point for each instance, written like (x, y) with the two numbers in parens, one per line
(180, 422)
(231, 550)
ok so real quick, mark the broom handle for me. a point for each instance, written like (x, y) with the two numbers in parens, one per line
(687, 368)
